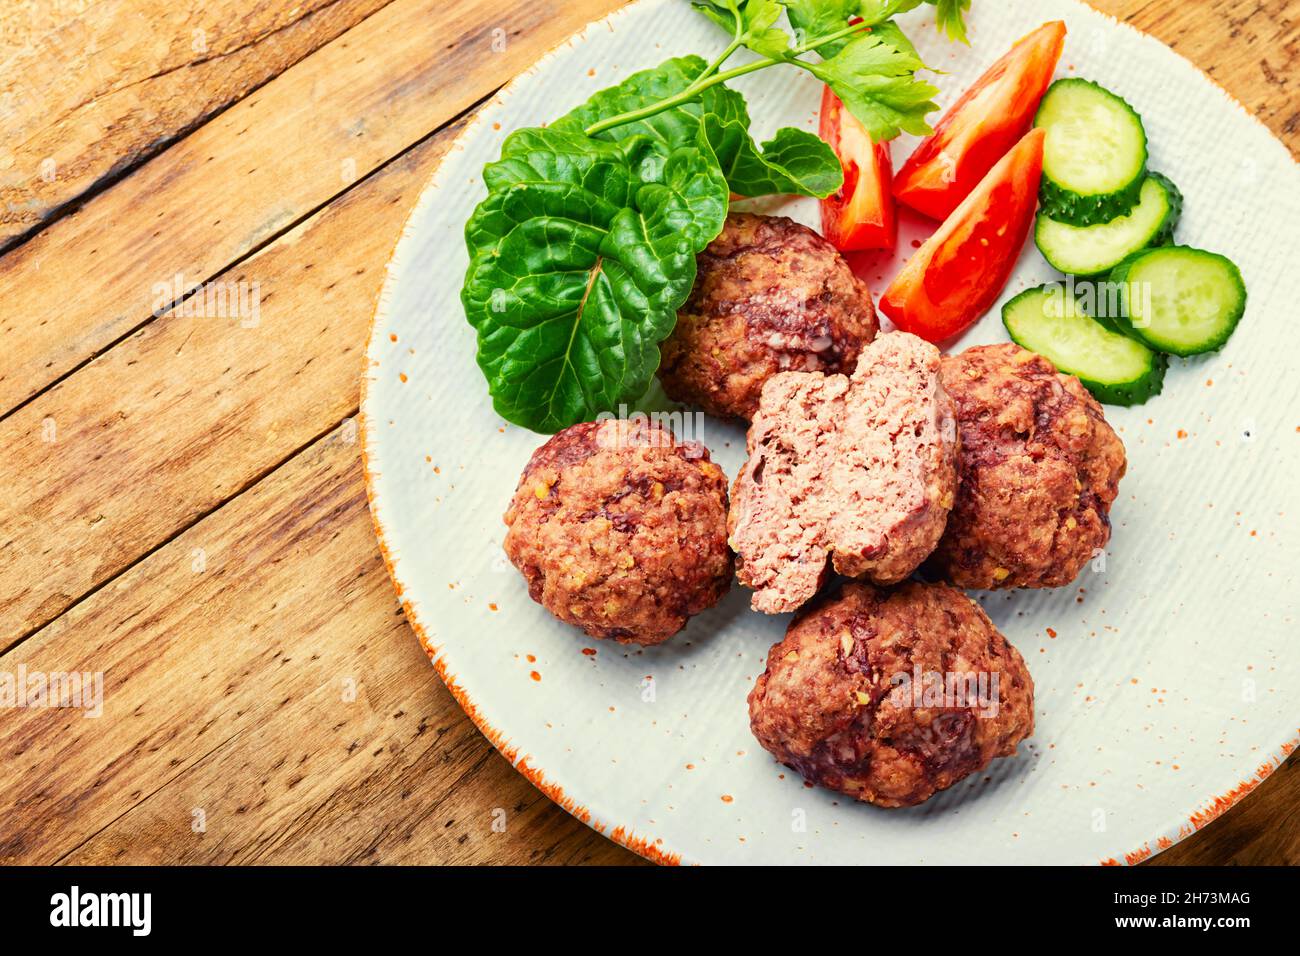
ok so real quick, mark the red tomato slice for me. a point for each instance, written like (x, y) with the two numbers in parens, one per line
(861, 215)
(961, 270)
(977, 131)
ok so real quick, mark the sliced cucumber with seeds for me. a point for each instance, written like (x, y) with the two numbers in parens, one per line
(1091, 250)
(1181, 300)
(1118, 370)
(1095, 155)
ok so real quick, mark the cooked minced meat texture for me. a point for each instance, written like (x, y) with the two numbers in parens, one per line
(1040, 468)
(848, 699)
(620, 529)
(860, 471)
(770, 296)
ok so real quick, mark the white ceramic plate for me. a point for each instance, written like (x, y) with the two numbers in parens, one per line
(1166, 682)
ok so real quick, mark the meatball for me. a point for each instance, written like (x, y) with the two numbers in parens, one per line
(892, 696)
(620, 529)
(770, 296)
(861, 470)
(1039, 466)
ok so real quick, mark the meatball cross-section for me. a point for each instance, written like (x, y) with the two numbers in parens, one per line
(856, 472)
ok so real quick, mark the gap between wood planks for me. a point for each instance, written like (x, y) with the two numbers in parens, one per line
(106, 129)
(202, 516)
(364, 186)
(173, 304)
(249, 252)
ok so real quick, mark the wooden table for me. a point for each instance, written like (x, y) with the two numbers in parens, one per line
(181, 501)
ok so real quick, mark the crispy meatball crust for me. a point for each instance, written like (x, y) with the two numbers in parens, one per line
(1039, 467)
(770, 296)
(620, 529)
(830, 706)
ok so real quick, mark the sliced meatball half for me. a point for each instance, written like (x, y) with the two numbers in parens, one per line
(856, 473)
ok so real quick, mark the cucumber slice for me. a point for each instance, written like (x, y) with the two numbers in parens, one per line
(1181, 300)
(1118, 370)
(1091, 250)
(1095, 155)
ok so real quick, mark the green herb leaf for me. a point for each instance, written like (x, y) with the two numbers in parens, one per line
(585, 246)
(751, 23)
(817, 18)
(725, 13)
(877, 83)
(580, 256)
(813, 19)
(950, 17)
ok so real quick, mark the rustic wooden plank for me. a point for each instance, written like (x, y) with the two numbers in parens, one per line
(254, 170)
(188, 410)
(88, 91)
(258, 669)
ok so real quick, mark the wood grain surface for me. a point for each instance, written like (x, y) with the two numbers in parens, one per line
(184, 509)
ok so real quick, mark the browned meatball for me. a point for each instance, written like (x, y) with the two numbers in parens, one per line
(770, 296)
(892, 696)
(620, 529)
(1039, 466)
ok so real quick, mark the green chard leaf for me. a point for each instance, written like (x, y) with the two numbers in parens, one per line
(585, 246)
(579, 258)
(674, 127)
(794, 162)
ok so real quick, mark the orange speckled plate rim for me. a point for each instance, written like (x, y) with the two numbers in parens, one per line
(648, 846)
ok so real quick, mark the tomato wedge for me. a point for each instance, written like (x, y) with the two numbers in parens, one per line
(861, 215)
(961, 270)
(981, 126)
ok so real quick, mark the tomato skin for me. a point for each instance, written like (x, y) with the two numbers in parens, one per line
(981, 126)
(957, 275)
(862, 214)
